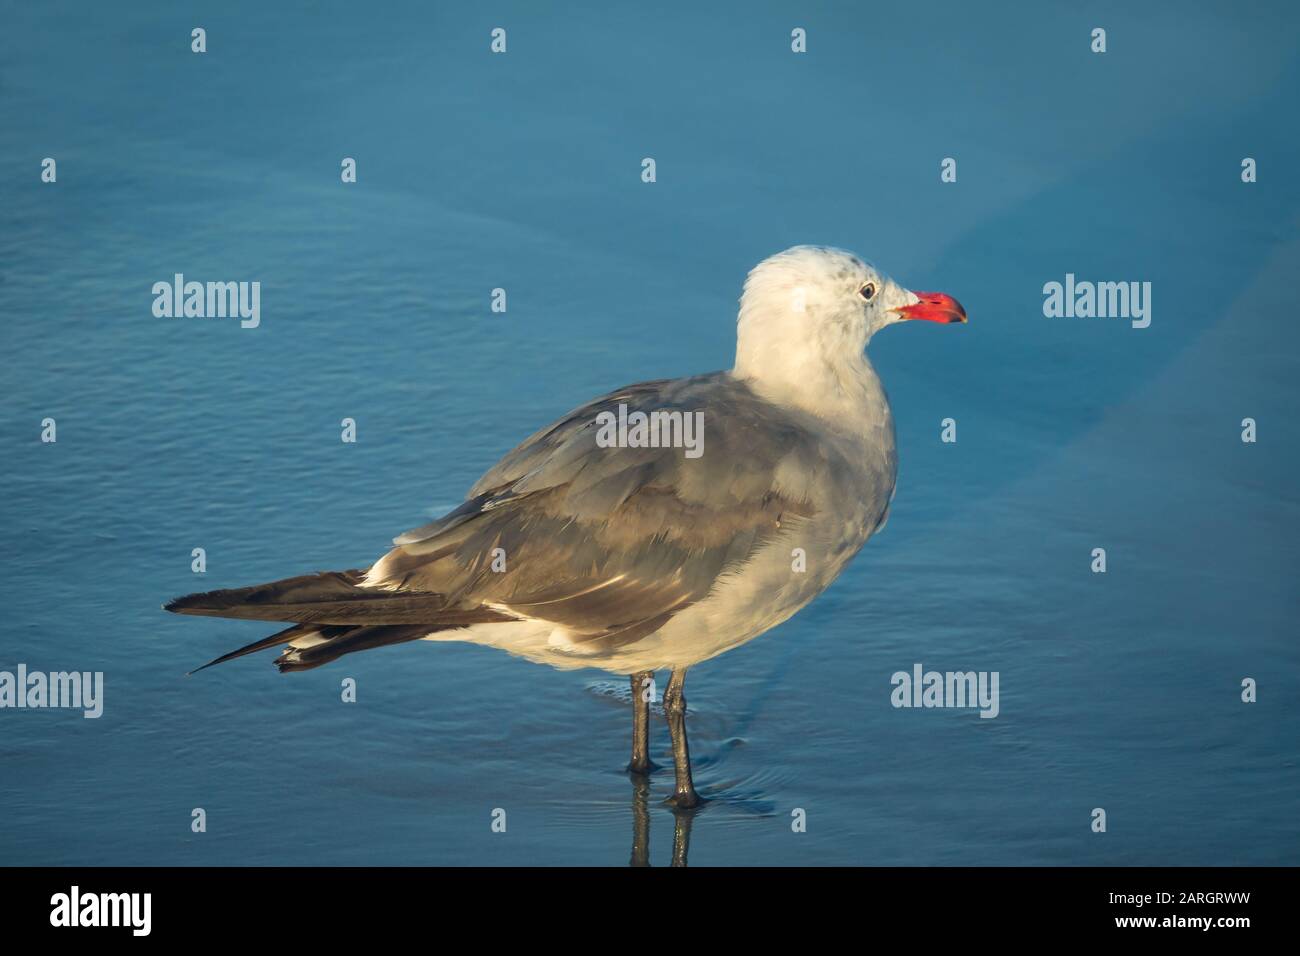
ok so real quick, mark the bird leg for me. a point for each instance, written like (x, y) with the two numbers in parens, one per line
(684, 797)
(641, 763)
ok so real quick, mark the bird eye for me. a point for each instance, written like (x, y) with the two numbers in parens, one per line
(868, 291)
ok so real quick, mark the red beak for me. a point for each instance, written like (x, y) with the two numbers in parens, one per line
(934, 307)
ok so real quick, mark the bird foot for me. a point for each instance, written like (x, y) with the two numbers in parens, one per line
(642, 769)
(690, 800)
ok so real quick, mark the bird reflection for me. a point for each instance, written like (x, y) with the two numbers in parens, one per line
(682, 820)
(640, 820)
(681, 835)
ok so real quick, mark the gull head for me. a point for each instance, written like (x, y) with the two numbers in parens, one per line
(814, 308)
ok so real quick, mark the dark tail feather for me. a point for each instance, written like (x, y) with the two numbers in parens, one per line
(270, 601)
(332, 641)
(348, 640)
(336, 615)
(333, 597)
(279, 637)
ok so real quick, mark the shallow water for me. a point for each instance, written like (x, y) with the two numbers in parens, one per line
(1118, 691)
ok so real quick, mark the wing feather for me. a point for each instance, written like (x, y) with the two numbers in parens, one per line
(610, 543)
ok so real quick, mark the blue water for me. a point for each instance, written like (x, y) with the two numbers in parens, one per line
(1120, 691)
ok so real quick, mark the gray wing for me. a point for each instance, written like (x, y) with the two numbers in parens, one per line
(610, 543)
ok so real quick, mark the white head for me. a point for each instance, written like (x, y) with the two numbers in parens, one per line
(806, 316)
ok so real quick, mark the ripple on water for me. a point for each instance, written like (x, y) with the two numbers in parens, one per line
(733, 793)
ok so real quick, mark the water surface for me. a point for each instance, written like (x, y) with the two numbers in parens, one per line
(522, 171)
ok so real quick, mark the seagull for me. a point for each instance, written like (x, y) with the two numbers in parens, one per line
(626, 549)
